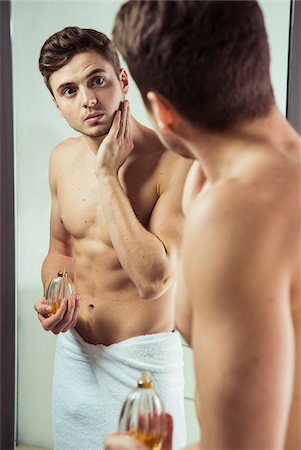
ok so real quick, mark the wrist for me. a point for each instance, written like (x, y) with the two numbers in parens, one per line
(104, 173)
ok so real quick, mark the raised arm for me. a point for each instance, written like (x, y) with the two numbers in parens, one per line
(149, 255)
(242, 333)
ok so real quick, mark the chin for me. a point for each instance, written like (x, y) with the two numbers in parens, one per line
(100, 133)
(96, 132)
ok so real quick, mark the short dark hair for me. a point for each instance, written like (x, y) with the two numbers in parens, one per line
(63, 45)
(210, 59)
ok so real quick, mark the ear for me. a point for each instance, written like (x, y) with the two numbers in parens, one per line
(124, 80)
(57, 106)
(162, 111)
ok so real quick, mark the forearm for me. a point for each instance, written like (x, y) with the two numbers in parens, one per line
(53, 263)
(141, 253)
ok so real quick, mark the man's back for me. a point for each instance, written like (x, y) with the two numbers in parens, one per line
(245, 296)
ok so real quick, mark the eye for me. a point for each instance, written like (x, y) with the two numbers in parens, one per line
(69, 91)
(98, 81)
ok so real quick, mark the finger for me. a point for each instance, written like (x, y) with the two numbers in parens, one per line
(118, 441)
(114, 130)
(142, 423)
(69, 316)
(52, 322)
(77, 302)
(127, 122)
(73, 320)
(167, 430)
(124, 118)
(65, 318)
(42, 307)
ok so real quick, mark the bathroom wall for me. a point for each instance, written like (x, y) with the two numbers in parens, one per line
(38, 128)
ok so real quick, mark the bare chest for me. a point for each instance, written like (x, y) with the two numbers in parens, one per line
(81, 208)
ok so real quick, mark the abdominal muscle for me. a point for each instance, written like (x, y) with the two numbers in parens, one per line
(111, 309)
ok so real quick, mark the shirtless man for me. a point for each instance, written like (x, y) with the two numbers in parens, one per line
(116, 225)
(203, 71)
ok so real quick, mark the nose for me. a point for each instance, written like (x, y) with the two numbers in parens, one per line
(88, 98)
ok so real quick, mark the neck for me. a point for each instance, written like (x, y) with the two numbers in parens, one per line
(218, 152)
(93, 143)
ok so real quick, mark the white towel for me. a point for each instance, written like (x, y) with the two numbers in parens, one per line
(91, 383)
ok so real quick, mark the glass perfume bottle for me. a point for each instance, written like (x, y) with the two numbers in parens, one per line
(142, 412)
(59, 288)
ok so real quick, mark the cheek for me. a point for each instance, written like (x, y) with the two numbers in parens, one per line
(71, 111)
(112, 98)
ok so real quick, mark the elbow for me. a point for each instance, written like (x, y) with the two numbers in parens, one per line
(148, 293)
(153, 290)
(156, 280)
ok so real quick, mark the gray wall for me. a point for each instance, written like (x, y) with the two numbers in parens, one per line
(38, 128)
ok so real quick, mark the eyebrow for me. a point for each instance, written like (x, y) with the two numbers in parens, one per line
(70, 83)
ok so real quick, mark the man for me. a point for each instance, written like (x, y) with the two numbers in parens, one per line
(116, 224)
(203, 71)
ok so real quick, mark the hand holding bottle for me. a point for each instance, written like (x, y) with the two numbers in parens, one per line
(123, 441)
(58, 311)
(64, 319)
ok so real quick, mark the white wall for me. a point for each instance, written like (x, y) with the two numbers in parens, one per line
(38, 128)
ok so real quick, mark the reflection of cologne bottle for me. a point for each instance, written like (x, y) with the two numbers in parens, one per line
(59, 288)
(141, 414)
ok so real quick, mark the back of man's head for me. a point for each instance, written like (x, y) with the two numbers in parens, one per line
(60, 47)
(210, 59)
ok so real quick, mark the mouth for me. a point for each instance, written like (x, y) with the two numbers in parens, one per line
(94, 117)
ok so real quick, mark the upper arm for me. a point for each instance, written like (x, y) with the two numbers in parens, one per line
(183, 310)
(194, 184)
(167, 219)
(60, 239)
(242, 332)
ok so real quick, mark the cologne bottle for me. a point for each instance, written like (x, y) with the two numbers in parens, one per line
(141, 414)
(59, 288)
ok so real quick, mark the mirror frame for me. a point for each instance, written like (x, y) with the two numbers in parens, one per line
(293, 102)
(7, 237)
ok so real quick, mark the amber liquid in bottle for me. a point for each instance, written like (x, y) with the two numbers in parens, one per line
(154, 442)
(55, 308)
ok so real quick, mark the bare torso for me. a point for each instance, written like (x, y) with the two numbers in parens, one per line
(274, 181)
(111, 309)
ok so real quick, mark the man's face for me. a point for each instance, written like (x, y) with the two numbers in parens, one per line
(87, 93)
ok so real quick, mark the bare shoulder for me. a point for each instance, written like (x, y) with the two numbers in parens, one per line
(65, 149)
(171, 168)
(244, 221)
(270, 191)
(61, 158)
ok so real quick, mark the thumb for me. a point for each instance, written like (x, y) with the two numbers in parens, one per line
(168, 430)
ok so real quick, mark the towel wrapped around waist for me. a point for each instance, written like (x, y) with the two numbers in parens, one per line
(91, 383)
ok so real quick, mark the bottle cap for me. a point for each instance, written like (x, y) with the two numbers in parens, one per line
(63, 273)
(145, 381)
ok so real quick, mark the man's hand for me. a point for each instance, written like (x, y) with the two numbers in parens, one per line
(117, 145)
(64, 319)
(122, 441)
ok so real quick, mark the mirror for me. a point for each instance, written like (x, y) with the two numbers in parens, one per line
(38, 129)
